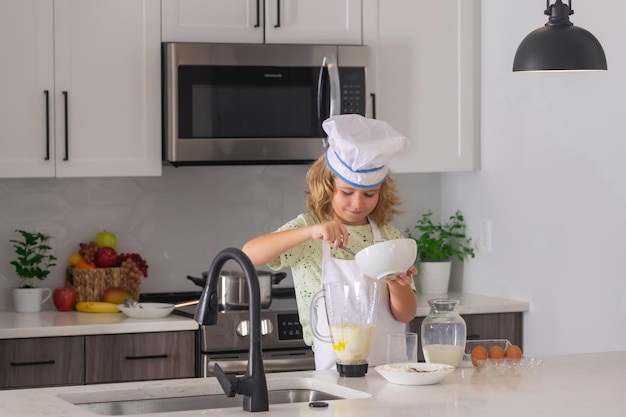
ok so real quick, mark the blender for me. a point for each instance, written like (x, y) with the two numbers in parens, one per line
(351, 310)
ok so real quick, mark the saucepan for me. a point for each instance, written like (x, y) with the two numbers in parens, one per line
(232, 288)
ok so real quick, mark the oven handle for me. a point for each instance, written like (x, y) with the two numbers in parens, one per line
(303, 362)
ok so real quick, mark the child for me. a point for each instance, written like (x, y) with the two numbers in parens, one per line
(351, 200)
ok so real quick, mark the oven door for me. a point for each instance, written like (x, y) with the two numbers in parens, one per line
(299, 359)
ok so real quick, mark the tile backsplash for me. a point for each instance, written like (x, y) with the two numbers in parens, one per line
(177, 222)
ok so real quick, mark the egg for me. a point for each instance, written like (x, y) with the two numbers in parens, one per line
(496, 352)
(479, 353)
(513, 352)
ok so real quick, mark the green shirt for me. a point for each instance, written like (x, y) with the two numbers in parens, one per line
(305, 261)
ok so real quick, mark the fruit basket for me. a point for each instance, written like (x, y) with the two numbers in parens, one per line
(91, 283)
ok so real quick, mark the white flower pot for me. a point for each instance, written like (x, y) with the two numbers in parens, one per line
(29, 300)
(434, 277)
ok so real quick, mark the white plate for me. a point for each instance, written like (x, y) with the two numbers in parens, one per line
(148, 310)
(414, 373)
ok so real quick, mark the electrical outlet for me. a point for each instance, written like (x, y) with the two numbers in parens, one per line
(485, 236)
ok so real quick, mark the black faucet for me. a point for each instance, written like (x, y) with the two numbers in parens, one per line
(253, 384)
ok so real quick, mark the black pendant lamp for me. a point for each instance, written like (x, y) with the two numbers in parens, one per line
(559, 45)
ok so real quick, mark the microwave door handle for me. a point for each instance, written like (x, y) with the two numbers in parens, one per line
(335, 87)
(329, 62)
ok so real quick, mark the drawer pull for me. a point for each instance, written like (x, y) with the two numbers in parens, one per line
(49, 362)
(134, 358)
(473, 337)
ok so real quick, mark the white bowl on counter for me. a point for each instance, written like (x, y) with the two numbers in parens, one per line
(415, 373)
(147, 310)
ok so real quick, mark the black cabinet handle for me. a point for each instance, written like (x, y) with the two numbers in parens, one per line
(473, 337)
(373, 95)
(277, 25)
(46, 93)
(67, 153)
(258, 14)
(49, 362)
(135, 358)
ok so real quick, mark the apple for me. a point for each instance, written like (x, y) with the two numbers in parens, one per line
(115, 295)
(64, 298)
(106, 257)
(106, 239)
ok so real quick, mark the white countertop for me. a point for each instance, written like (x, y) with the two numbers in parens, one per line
(473, 304)
(570, 385)
(73, 323)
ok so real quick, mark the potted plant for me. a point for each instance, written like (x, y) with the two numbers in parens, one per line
(437, 244)
(33, 263)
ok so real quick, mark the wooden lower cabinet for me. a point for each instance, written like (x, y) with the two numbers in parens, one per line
(79, 360)
(41, 362)
(139, 356)
(484, 326)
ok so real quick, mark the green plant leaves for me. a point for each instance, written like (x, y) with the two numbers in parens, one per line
(442, 241)
(33, 260)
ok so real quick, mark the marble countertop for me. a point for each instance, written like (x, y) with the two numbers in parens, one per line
(72, 323)
(570, 385)
(473, 304)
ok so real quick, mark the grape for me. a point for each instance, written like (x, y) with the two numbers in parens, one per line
(134, 265)
(88, 251)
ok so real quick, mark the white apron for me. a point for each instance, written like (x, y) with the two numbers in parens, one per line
(335, 270)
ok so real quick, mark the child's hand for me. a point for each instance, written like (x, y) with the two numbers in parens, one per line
(403, 279)
(332, 232)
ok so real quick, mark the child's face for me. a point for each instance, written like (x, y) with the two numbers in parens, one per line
(352, 205)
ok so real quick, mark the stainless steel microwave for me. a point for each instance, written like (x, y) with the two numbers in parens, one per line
(257, 104)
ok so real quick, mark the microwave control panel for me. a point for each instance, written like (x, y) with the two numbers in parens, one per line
(352, 81)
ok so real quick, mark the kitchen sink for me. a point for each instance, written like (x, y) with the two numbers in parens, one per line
(201, 394)
(200, 402)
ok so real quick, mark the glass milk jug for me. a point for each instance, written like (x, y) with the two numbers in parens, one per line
(444, 333)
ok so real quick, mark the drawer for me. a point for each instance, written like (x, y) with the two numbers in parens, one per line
(139, 356)
(38, 362)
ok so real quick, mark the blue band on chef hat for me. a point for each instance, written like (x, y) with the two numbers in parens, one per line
(358, 171)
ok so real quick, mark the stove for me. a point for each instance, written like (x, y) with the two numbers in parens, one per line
(227, 342)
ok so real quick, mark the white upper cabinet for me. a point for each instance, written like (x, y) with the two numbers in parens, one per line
(104, 90)
(262, 21)
(27, 86)
(425, 73)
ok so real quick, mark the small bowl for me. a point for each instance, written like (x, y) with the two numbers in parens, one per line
(415, 373)
(386, 259)
(147, 310)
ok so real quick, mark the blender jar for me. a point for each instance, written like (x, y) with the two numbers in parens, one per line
(351, 310)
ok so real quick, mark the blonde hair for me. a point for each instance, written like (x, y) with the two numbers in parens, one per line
(321, 182)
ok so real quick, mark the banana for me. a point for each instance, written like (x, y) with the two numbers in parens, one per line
(96, 307)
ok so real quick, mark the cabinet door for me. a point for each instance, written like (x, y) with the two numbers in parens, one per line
(313, 21)
(26, 141)
(237, 21)
(484, 326)
(141, 356)
(108, 94)
(426, 77)
(27, 363)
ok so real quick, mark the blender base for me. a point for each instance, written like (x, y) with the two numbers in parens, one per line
(352, 370)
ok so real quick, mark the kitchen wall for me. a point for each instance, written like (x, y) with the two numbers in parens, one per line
(552, 183)
(177, 222)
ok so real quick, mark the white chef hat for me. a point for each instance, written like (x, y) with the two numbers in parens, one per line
(359, 149)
